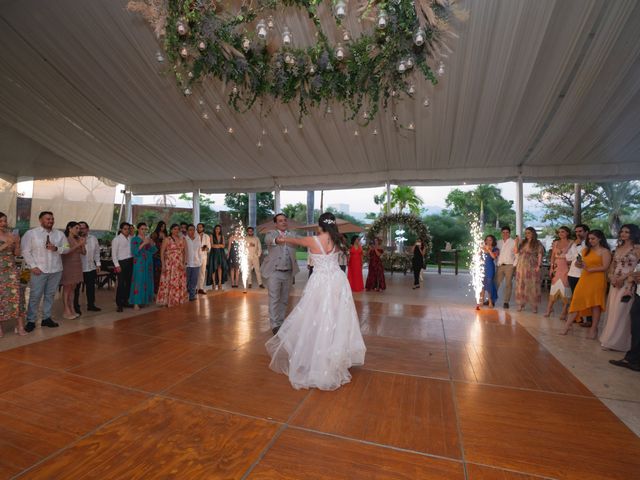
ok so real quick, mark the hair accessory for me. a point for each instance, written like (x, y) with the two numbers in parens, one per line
(329, 221)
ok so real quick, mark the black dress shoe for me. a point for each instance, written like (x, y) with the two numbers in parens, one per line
(93, 308)
(128, 305)
(486, 302)
(261, 286)
(275, 330)
(120, 308)
(76, 309)
(201, 292)
(505, 305)
(618, 363)
(29, 327)
(47, 322)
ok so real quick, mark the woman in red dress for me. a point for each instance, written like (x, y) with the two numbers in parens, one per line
(375, 278)
(354, 268)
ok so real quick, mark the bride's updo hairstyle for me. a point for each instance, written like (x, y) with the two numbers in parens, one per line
(327, 223)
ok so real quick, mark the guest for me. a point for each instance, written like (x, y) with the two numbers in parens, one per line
(233, 258)
(217, 259)
(72, 268)
(375, 276)
(506, 263)
(589, 294)
(158, 236)
(173, 282)
(489, 252)
(42, 248)
(354, 272)
(616, 333)
(90, 270)
(254, 251)
(343, 257)
(417, 263)
(123, 265)
(309, 266)
(142, 249)
(205, 248)
(194, 247)
(631, 359)
(558, 271)
(11, 300)
(528, 281)
(580, 243)
(183, 229)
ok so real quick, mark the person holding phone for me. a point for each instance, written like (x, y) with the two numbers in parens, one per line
(574, 256)
(143, 249)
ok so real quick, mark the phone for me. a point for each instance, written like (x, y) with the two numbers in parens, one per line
(626, 299)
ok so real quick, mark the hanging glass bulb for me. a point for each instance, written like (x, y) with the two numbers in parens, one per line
(159, 57)
(300, 126)
(202, 46)
(259, 144)
(230, 130)
(246, 44)
(346, 36)
(205, 115)
(201, 102)
(365, 115)
(355, 134)
(411, 90)
(375, 131)
(440, 70)
(382, 19)
(286, 37)
(312, 69)
(187, 91)
(264, 132)
(340, 10)
(218, 108)
(409, 62)
(270, 22)
(182, 27)
(285, 131)
(411, 126)
(418, 37)
(402, 67)
(234, 90)
(328, 110)
(261, 30)
(190, 74)
(340, 53)
(184, 53)
(287, 58)
(426, 102)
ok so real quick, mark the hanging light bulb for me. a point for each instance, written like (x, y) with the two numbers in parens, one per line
(184, 53)
(246, 44)
(312, 69)
(190, 74)
(261, 30)
(375, 131)
(230, 130)
(365, 115)
(402, 66)
(411, 90)
(201, 102)
(328, 110)
(264, 132)
(259, 144)
(287, 58)
(426, 102)
(409, 62)
(182, 27)
(285, 131)
(286, 37)
(340, 53)
(411, 126)
(202, 46)
(218, 108)
(159, 57)
(382, 19)
(270, 22)
(346, 36)
(340, 10)
(355, 134)
(234, 90)
(418, 37)
(440, 70)
(205, 115)
(187, 91)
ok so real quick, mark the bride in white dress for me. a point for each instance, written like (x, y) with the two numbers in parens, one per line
(320, 339)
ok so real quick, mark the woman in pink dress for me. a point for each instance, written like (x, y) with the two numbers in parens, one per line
(173, 280)
(560, 289)
(354, 268)
(72, 268)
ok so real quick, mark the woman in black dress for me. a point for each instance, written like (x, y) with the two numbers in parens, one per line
(417, 263)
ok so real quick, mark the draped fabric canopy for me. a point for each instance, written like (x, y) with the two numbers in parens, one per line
(546, 90)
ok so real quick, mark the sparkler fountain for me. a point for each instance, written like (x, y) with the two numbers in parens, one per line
(476, 265)
(243, 254)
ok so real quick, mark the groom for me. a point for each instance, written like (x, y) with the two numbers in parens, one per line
(279, 268)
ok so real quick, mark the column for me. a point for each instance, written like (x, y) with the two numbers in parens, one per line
(128, 211)
(276, 197)
(253, 209)
(196, 206)
(519, 206)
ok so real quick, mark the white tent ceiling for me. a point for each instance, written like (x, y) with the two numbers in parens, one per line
(545, 89)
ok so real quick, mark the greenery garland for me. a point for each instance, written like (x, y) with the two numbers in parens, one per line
(201, 40)
(413, 222)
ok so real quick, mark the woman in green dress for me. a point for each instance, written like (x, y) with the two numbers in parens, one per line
(142, 248)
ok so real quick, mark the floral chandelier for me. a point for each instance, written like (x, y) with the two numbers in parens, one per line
(236, 43)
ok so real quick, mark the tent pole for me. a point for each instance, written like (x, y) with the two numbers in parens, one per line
(276, 196)
(253, 209)
(127, 205)
(388, 212)
(196, 206)
(519, 206)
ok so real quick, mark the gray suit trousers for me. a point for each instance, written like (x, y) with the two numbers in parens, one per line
(278, 284)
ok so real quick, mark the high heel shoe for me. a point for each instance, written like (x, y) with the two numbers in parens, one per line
(20, 331)
(566, 328)
(547, 314)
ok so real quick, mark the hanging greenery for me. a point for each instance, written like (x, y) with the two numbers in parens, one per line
(232, 43)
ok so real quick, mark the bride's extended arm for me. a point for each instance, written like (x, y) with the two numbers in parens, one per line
(299, 241)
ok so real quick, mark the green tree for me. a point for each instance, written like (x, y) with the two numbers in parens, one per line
(297, 212)
(208, 215)
(405, 197)
(344, 216)
(558, 201)
(446, 228)
(616, 201)
(381, 200)
(238, 205)
(150, 217)
(179, 217)
(485, 202)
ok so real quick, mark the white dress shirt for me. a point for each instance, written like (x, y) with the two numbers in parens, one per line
(507, 252)
(572, 256)
(35, 253)
(205, 241)
(91, 260)
(120, 249)
(193, 251)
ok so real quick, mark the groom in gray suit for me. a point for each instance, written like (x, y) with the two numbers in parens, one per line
(279, 268)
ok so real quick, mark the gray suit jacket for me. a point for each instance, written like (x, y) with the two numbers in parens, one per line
(275, 252)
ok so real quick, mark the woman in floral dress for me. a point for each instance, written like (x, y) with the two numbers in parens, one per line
(11, 302)
(528, 287)
(173, 281)
(143, 249)
(617, 331)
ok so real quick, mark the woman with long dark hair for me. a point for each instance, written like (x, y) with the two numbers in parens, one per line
(490, 252)
(72, 268)
(375, 276)
(528, 278)
(218, 265)
(173, 282)
(142, 248)
(354, 269)
(617, 331)
(158, 236)
(589, 295)
(320, 340)
(559, 271)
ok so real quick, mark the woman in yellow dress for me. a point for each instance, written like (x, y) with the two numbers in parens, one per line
(589, 297)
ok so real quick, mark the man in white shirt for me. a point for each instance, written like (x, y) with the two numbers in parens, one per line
(123, 265)
(574, 252)
(90, 270)
(205, 248)
(254, 249)
(506, 263)
(194, 260)
(41, 249)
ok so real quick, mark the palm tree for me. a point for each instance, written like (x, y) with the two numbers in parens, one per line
(617, 200)
(405, 197)
(381, 200)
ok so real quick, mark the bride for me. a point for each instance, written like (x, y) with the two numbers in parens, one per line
(320, 339)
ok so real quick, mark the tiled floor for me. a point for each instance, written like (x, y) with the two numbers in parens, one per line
(445, 392)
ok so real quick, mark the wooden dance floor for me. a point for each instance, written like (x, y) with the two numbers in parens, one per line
(186, 393)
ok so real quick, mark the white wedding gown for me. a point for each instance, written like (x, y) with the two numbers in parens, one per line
(320, 339)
